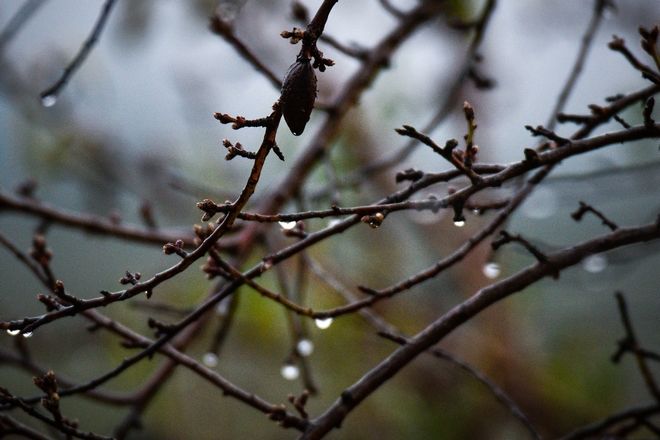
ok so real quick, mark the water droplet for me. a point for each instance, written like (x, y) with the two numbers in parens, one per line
(305, 347)
(13, 332)
(323, 323)
(288, 225)
(28, 334)
(459, 223)
(290, 372)
(266, 265)
(48, 100)
(210, 359)
(492, 270)
(594, 263)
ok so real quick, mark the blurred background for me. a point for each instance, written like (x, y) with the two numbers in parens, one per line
(135, 125)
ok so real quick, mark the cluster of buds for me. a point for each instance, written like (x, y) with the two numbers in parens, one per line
(176, 248)
(131, 278)
(649, 42)
(373, 220)
(39, 252)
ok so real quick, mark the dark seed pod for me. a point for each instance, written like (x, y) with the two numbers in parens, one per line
(298, 95)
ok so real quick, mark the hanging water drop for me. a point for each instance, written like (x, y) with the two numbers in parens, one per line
(48, 100)
(28, 334)
(290, 372)
(210, 359)
(288, 225)
(13, 332)
(491, 270)
(459, 223)
(323, 323)
(594, 263)
(305, 347)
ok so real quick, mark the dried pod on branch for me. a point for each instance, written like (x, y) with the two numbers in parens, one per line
(298, 95)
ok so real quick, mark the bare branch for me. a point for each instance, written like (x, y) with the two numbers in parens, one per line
(50, 95)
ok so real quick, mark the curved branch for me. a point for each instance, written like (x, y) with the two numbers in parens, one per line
(481, 300)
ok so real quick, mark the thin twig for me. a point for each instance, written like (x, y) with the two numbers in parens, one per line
(500, 395)
(54, 91)
(450, 94)
(587, 39)
(225, 29)
(596, 429)
(584, 208)
(12, 426)
(89, 223)
(632, 344)
(7, 397)
(463, 312)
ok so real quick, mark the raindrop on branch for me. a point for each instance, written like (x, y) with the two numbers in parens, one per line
(13, 332)
(491, 270)
(305, 347)
(210, 359)
(290, 372)
(28, 334)
(288, 225)
(49, 100)
(594, 263)
(323, 323)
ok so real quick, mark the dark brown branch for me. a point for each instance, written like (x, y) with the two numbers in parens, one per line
(587, 40)
(347, 98)
(30, 324)
(11, 426)
(600, 427)
(225, 29)
(431, 204)
(618, 44)
(601, 115)
(391, 9)
(446, 152)
(630, 343)
(487, 296)
(28, 262)
(87, 223)
(500, 395)
(114, 398)
(520, 196)
(50, 95)
(542, 131)
(648, 110)
(584, 208)
(61, 425)
(505, 238)
(214, 378)
(451, 96)
(159, 345)
(266, 292)
(390, 332)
